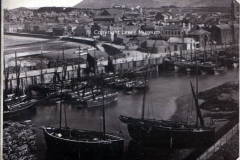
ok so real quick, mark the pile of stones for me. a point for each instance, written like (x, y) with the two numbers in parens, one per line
(19, 141)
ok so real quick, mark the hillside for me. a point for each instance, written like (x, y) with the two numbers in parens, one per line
(153, 3)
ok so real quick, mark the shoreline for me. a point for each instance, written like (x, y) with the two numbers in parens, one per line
(224, 120)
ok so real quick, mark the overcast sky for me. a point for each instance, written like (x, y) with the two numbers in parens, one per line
(10, 4)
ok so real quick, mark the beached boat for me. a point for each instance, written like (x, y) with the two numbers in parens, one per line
(170, 133)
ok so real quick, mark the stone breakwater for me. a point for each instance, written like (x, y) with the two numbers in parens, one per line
(19, 141)
(222, 101)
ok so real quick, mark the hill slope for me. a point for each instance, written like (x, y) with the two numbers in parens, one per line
(153, 3)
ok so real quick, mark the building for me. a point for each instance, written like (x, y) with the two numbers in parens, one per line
(80, 31)
(177, 43)
(27, 26)
(95, 28)
(222, 34)
(172, 31)
(60, 31)
(235, 28)
(161, 16)
(199, 36)
(110, 12)
(105, 19)
(148, 27)
(160, 46)
(234, 10)
(98, 55)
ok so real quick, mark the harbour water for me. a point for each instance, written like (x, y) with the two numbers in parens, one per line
(162, 91)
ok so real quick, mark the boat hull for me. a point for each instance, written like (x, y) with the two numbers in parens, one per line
(85, 149)
(207, 69)
(235, 65)
(19, 110)
(180, 68)
(97, 102)
(171, 137)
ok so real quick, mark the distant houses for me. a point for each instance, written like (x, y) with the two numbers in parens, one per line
(171, 26)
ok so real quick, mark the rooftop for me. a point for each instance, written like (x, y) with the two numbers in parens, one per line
(223, 26)
(198, 32)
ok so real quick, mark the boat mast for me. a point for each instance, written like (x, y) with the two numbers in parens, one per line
(79, 65)
(191, 51)
(195, 96)
(204, 54)
(16, 62)
(41, 67)
(78, 72)
(60, 124)
(6, 74)
(145, 82)
(17, 79)
(103, 112)
(63, 53)
(95, 62)
(182, 46)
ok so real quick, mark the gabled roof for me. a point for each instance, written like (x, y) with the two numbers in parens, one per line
(223, 26)
(158, 43)
(173, 27)
(131, 28)
(104, 17)
(97, 53)
(198, 32)
(120, 47)
(192, 19)
(112, 11)
(180, 40)
(236, 25)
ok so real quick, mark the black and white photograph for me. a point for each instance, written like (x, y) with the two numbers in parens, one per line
(120, 80)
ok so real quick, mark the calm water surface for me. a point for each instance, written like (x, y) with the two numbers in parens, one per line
(163, 89)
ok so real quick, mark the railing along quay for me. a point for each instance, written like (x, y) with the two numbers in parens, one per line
(216, 146)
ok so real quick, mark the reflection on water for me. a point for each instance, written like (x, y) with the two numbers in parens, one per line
(163, 89)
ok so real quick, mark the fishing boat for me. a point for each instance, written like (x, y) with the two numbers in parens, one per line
(235, 62)
(12, 100)
(97, 100)
(170, 133)
(16, 102)
(18, 108)
(139, 84)
(207, 68)
(84, 144)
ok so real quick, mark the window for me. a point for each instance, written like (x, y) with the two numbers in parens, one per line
(184, 46)
(175, 47)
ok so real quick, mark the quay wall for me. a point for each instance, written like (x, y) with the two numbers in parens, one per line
(34, 76)
(31, 35)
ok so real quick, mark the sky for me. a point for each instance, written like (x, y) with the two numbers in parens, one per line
(11, 4)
